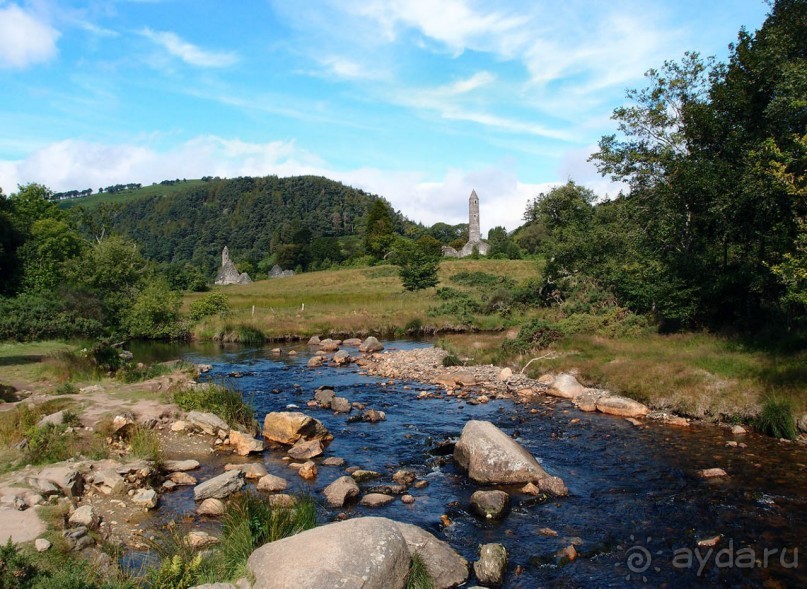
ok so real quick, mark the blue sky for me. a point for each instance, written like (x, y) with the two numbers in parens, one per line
(419, 101)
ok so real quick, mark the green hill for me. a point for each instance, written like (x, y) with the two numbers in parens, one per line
(305, 221)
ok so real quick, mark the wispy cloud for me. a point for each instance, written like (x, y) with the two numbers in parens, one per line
(25, 39)
(190, 53)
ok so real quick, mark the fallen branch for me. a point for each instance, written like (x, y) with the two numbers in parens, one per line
(549, 355)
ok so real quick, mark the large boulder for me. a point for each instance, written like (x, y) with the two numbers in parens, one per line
(621, 406)
(220, 486)
(370, 346)
(209, 423)
(286, 427)
(491, 456)
(361, 553)
(244, 444)
(445, 567)
(566, 386)
(341, 491)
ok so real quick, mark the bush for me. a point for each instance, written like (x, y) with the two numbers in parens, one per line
(107, 356)
(413, 326)
(777, 419)
(67, 388)
(155, 313)
(50, 443)
(536, 334)
(214, 303)
(224, 402)
(16, 570)
(37, 317)
(452, 360)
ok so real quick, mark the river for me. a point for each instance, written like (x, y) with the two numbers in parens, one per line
(636, 510)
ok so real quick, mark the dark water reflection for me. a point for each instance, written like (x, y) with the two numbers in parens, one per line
(634, 491)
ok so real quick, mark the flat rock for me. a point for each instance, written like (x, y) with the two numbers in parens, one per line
(352, 342)
(220, 487)
(333, 461)
(68, 479)
(341, 491)
(182, 478)
(244, 444)
(376, 500)
(444, 565)
(272, 483)
(361, 553)
(361, 475)
(85, 516)
(251, 470)
(491, 456)
(711, 473)
(198, 539)
(306, 449)
(286, 427)
(621, 406)
(208, 423)
(181, 465)
(109, 482)
(20, 526)
(52, 419)
(145, 498)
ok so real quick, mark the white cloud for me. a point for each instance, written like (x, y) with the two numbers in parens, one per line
(188, 52)
(73, 164)
(24, 39)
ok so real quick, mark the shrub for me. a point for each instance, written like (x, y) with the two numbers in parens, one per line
(535, 334)
(777, 419)
(107, 357)
(67, 388)
(452, 360)
(214, 303)
(16, 569)
(48, 444)
(224, 402)
(155, 312)
(413, 326)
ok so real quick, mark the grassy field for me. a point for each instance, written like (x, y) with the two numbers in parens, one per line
(128, 196)
(350, 301)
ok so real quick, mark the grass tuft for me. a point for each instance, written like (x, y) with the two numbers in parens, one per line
(777, 420)
(418, 575)
(225, 402)
(145, 443)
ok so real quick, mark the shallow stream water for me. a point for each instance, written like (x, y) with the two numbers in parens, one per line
(636, 508)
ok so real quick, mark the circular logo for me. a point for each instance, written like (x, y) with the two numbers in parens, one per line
(638, 559)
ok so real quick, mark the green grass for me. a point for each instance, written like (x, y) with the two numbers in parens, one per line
(225, 402)
(96, 199)
(348, 302)
(145, 443)
(418, 575)
(777, 420)
(695, 374)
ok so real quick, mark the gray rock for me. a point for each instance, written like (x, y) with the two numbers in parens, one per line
(314, 362)
(182, 478)
(109, 482)
(329, 345)
(373, 416)
(42, 545)
(220, 487)
(181, 465)
(286, 427)
(341, 358)
(490, 504)
(333, 461)
(43, 486)
(566, 386)
(272, 483)
(85, 516)
(491, 456)
(314, 340)
(324, 397)
(306, 449)
(251, 470)
(208, 423)
(376, 500)
(145, 498)
(341, 491)
(445, 567)
(68, 479)
(362, 475)
(370, 346)
(341, 405)
(404, 477)
(492, 563)
(52, 419)
(361, 553)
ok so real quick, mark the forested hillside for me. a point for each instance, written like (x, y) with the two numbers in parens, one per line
(303, 221)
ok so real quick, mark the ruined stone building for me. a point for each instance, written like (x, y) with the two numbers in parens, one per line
(474, 234)
(228, 273)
